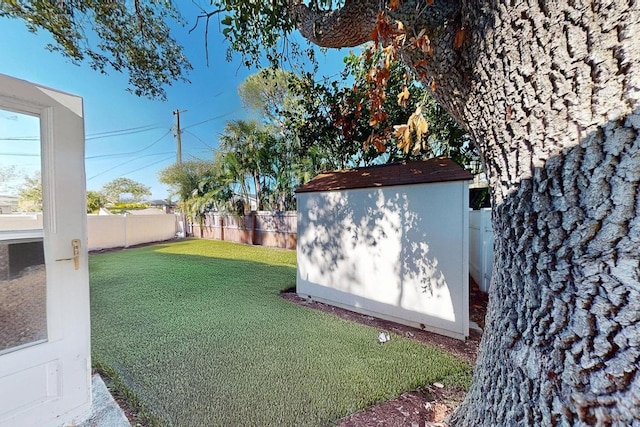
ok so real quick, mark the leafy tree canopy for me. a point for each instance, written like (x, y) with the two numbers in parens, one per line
(257, 30)
(132, 37)
(356, 123)
(7, 176)
(135, 37)
(95, 201)
(213, 192)
(30, 193)
(184, 178)
(125, 190)
(269, 92)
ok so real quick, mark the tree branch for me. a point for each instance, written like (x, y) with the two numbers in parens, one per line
(207, 16)
(349, 26)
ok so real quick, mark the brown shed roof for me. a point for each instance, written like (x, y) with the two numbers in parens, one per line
(415, 172)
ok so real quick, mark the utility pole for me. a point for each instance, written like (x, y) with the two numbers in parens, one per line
(183, 218)
(178, 136)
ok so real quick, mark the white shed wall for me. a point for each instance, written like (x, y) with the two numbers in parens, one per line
(397, 252)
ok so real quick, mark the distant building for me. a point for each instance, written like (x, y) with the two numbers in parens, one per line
(8, 203)
(166, 206)
(147, 211)
(250, 201)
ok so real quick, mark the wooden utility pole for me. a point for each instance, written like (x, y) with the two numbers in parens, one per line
(178, 136)
(183, 217)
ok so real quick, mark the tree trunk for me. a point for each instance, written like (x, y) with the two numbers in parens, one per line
(256, 183)
(348, 26)
(556, 117)
(550, 92)
(562, 343)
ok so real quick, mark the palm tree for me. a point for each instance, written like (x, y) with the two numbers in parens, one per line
(247, 148)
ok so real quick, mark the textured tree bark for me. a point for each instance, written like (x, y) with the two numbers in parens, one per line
(550, 92)
(348, 26)
(554, 107)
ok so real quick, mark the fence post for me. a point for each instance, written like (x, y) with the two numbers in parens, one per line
(486, 234)
(126, 229)
(252, 230)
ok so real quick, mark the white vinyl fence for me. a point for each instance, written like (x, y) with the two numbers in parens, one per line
(113, 231)
(481, 247)
(108, 231)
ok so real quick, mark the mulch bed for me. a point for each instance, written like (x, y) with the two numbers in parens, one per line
(427, 406)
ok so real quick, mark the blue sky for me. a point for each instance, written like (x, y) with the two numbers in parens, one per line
(147, 144)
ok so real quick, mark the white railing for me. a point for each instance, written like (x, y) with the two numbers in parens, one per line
(108, 231)
(481, 247)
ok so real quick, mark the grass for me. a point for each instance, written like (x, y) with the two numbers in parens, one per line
(195, 334)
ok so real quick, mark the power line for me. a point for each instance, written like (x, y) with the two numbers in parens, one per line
(21, 138)
(131, 152)
(97, 135)
(212, 118)
(98, 156)
(149, 165)
(128, 161)
(198, 138)
(194, 157)
(127, 129)
(91, 138)
(204, 150)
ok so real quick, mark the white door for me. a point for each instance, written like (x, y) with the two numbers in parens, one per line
(45, 377)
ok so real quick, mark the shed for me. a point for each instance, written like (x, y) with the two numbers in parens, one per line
(390, 241)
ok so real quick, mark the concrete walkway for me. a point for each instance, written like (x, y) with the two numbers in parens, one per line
(105, 412)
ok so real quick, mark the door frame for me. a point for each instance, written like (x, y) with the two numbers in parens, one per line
(49, 383)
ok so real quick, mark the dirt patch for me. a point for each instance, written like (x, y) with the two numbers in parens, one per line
(427, 406)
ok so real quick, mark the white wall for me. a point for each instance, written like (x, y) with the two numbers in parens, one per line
(481, 247)
(398, 252)
(20, 222)
(111, 231)
(108, 231)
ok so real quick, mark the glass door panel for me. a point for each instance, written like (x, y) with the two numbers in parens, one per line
(23, 290)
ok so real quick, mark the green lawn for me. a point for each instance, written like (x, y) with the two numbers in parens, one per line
(196, 332)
